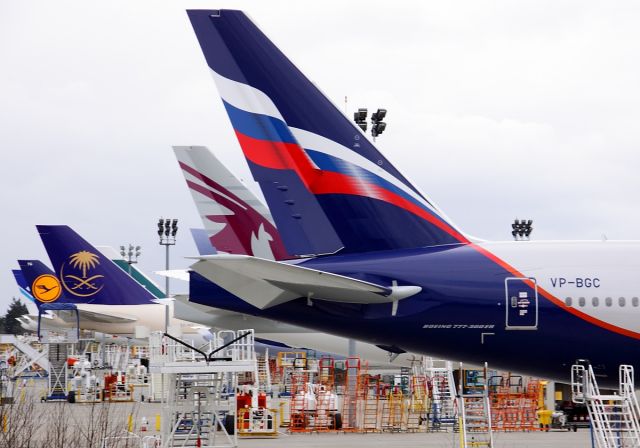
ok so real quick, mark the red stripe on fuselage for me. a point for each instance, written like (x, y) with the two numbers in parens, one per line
(556, 301)
(278, 155)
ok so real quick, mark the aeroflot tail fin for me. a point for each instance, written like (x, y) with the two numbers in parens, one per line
(327, 186)
(85, 274)
(235, 219)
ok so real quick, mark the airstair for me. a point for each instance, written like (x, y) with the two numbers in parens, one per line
(57, 386)
(198, 401)
(475, 418)
(418, 404)
(371, 396)
(444, 411)
(614, 418)
(31, 355)
(60, 345)
(393, 411)
(263, 373)
(351, 394)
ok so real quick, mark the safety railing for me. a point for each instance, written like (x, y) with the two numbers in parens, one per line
(225, 346)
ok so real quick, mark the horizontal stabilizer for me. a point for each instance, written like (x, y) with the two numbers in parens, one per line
(105, 317)
(178, 274)
(265, 283)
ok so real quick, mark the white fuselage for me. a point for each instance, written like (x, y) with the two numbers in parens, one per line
(600, 279)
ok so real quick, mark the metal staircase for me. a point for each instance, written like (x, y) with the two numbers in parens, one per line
(614, 418)
(444, 413)
(195, 404)
(263, 374)
(475, 416)
(57, 386)
(418, 404)
(197, 385)
(31, 355)
(371, 397)
(350, 395)
(393, 411)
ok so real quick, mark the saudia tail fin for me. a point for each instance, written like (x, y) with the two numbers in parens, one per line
(235, 219)
(85, 274)
(327, 186)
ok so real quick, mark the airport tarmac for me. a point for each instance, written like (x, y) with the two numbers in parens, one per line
(83, 419)
(552, 439)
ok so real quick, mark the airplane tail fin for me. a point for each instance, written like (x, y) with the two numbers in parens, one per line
(326, 184)
(235, 219)
(202, 241)
(130, 269)
(22, 284)
(85, 274)
(42, 283)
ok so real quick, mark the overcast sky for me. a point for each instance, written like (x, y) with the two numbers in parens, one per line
(497, 110)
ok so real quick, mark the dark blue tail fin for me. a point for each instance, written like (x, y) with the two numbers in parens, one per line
(327, 186)
(42, 283)
(87, 276)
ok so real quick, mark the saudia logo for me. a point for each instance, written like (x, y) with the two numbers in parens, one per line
(76, 274)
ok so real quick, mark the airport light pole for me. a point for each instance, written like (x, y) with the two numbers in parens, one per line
(167, 230)
(130, 254)
(521, 230)
(377, 125)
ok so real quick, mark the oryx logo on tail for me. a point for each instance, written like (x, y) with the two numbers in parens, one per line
(76, 274)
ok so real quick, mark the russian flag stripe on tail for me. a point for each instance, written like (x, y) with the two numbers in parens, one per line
(327, 186)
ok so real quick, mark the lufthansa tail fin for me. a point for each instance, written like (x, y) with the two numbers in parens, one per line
(42, 283)
(326, 184)
(236, 221)
(85, 274)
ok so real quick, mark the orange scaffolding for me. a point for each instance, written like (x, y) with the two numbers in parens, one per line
(371, 403)
(350, 421)
(326, 406)
(514, 405)
(326, 371)
(418, 404)
(393, 411)
(298, 414)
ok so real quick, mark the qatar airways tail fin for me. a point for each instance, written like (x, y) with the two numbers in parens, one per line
(235, 220)
(326, 184)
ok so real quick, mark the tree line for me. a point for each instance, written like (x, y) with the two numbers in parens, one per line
(8, 323)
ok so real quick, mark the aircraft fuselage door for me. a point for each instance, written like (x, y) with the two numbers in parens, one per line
(521, 304)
